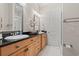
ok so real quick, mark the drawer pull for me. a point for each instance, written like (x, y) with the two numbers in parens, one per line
(17, 46)
(31, 40)
(26, 50)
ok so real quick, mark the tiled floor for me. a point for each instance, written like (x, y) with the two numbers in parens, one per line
(51, 51)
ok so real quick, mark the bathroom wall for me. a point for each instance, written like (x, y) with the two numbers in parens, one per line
(71, 29)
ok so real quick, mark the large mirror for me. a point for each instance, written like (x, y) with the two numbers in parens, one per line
(17, 17)
(11, 17)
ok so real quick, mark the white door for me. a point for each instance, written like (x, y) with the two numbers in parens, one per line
(54, 28)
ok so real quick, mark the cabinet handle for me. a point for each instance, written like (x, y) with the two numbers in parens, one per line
(31, 40)
(26, 50)
(17, 46)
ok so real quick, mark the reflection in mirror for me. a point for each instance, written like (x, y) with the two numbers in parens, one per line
(17, 17)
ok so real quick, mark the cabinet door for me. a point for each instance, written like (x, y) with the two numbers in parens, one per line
(30, 51)
(44, 40)
(35, 47)
(20, 52)
(7, 50)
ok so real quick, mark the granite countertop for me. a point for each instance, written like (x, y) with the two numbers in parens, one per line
(7, 42)
(4, 42)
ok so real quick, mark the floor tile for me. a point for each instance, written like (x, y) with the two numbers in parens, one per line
(51, 51)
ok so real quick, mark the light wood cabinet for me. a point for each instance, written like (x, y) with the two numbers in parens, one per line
(6, 50)
(9, 49)
(44, 40)
(21, 52)
(28, 47)
(30, 51)
(38, 45)
(35, 47)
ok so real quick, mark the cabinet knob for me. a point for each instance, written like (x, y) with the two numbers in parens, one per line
(26, 50)
(17, 46)
(31, 40)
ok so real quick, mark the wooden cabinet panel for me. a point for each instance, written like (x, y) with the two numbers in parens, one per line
(6, 50)
(0, 51)
(21, 52)
(23, 43)
(44, 40)
(19, 44)
(30, 51)
(28, 47)
(35, 47)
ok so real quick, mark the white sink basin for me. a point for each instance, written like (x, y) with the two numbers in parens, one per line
(16, 37)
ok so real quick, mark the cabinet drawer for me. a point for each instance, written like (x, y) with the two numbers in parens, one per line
(37, 43)
(38, 38)
(37, 50)
(21, 52)
(23, 43)
(44, 35)
(44, 40)
(7, 50)
(19, 44)
(31, 49)
(35, 39)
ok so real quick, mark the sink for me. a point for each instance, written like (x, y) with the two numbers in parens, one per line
(16, 37)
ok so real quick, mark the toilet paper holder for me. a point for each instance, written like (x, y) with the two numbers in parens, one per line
(67, 45)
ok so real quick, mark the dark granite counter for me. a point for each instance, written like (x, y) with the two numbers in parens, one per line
(7, 42)
(4, 42)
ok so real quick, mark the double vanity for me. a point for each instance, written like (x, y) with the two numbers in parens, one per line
(26, 46)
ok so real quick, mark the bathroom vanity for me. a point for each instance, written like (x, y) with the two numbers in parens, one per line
(30, 46)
